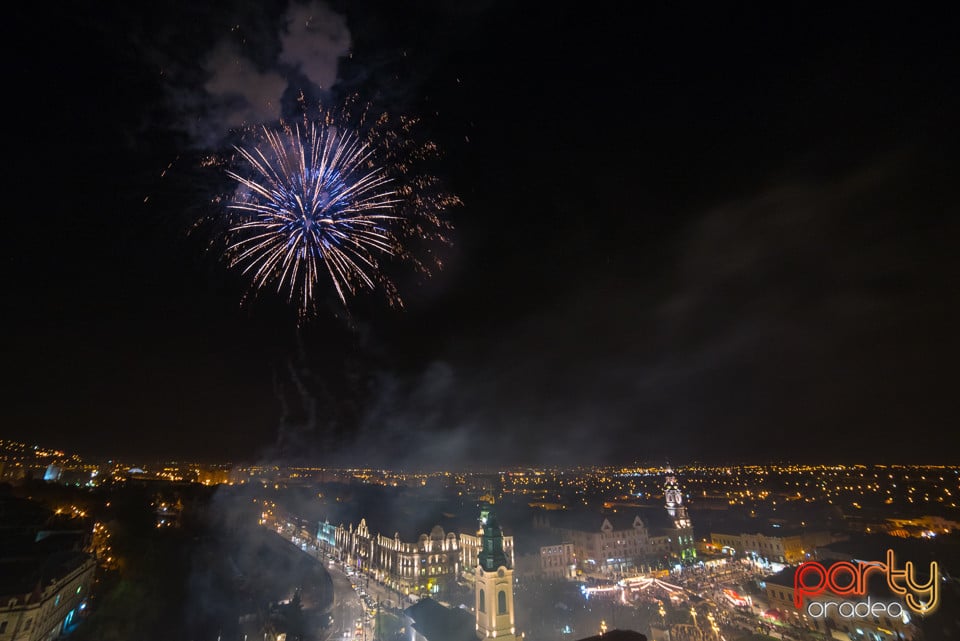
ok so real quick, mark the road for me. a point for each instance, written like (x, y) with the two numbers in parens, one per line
(350, 618)
(347, 607)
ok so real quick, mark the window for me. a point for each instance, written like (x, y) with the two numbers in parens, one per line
(3, 627)
(483, 605)
(501, 602)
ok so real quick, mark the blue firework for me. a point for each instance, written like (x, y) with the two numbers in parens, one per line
(312, 202)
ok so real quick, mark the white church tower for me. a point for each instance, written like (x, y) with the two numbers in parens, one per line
(494, 587)
(685, 548)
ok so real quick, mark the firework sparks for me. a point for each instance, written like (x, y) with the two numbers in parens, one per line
(316, 200)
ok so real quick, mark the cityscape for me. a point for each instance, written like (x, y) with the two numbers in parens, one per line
(480, 320)
(692, 552)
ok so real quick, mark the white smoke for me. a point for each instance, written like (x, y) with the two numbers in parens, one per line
(250, 96)
(312, 40)
(315, 40)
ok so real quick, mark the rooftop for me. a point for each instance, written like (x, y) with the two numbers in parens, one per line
(438, 623)
(618, 635)
(21, 575)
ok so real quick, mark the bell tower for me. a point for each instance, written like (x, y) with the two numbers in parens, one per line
(494, 585)
(674, 499)
(685, 548)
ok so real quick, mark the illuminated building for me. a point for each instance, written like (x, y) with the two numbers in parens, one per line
(327, 536)
(608, 544)
(922, 526)
(683, 546)
(355, 545)
(44, 578)
(52, 473)
(494, 583)
(427, 564)
(771, 545)
(558, 561)
(213, 475)
(628, 536)
(40, 596)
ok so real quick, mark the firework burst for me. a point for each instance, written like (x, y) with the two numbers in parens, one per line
(318, 200)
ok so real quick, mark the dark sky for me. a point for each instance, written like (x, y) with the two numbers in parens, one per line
(722, 234)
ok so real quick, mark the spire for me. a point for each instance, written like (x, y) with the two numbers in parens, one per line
(491, 555)
(671, 490)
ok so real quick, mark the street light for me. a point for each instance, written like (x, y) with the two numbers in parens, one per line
(713, 625)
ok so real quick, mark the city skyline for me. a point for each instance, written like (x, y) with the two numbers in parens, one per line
(326, 553)
(11, 450)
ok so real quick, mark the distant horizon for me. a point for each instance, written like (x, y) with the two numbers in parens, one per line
(649, 463)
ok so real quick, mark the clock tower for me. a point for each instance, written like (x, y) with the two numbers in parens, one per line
(494, 585)
(673, 497)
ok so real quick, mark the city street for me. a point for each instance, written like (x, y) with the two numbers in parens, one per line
(347, 607)
(351, 616)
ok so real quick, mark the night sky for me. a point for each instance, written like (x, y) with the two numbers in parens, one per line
(718, 234)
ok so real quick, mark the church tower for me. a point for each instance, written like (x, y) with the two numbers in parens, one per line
(685, 547)
(494, 586)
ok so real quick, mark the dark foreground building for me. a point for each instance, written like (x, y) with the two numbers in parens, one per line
(45, 576)
(618, 635)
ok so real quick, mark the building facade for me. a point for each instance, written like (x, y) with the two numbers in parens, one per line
(355, 545)
(494, 583)
(558, 561)
(610, 549)
(327, 536)
(788, 547)
(427, 565)
(45, 611)
(622, 543)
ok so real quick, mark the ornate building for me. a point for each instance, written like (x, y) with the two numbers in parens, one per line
(355, 545)
(604, 544)
(430, 565)
(427, 565)
(684, 546)
(494, 583)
